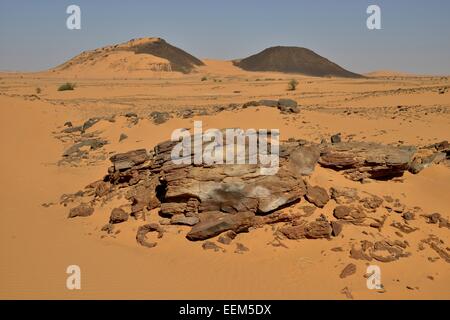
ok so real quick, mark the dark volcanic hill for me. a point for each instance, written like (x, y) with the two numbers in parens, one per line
(144, 54)
(179, 59)
(293, 60)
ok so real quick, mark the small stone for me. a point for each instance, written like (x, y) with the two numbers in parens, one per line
(122, 137)
(83, 210)
(346, 291)
(357, 214)
(317, 196)
(118, 215)
(408, 215)
(142, 232)
(208, 245)
(434, 218)
(108, 228)
(341, 212)
(181, 219)
(348, 271)
(227, 237)
(240, 248)
(164, 221)
(336, 138)
(336, 226)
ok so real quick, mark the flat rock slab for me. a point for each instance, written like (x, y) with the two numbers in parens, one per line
(362, 160)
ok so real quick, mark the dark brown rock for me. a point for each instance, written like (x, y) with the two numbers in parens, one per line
(118, 215)
(408, 216)
(361, 160)
(172, 208)
(371, 202)
(218, 222)
(336, 226)
(227, 237)
(403, 227)
(349, 270)
(123, 161)
(294, 232)
(240, 248)
(341, 212)
(208, 245)
(343, 195)
(82, 210)
(318, 230)
(317, 196)
(336, 138)
(181, 219)
(303, 160)
(310, 230)
(144, 196)
(142, 232)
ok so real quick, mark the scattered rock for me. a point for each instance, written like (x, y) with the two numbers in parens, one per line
(408, 216)
(343, 195)
(227, 237)
(118, 215)
(183, 220)
(108, 228)
(317, 196)
(403, 227)
(122, 161)
(142, 232)
(303, 160)
(90, 123)
(336, 228)
(219, 222)
(346, 291)
(349, 270)
(288, 106)
(341, 212)
(82, 210)
(208, 245)
(268, 103)
(240, 248)
(92, 144)
(359, 160)
(436, 244)
(371, 202)
(336, 138)
(122, 137)
(159, 117)
(311, 230)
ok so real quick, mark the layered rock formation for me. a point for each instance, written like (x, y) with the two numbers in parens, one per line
(216, 198)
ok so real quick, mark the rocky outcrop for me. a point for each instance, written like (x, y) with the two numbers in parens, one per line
(360, 160)
(217, 198)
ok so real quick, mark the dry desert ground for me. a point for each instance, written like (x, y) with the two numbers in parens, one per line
(43, 179)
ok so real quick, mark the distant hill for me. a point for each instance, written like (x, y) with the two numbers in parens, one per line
(293, 60)
(135, 56)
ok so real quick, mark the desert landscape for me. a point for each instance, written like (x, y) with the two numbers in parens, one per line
(363, 179)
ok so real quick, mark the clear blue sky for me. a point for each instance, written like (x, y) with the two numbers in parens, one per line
(415, 35)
